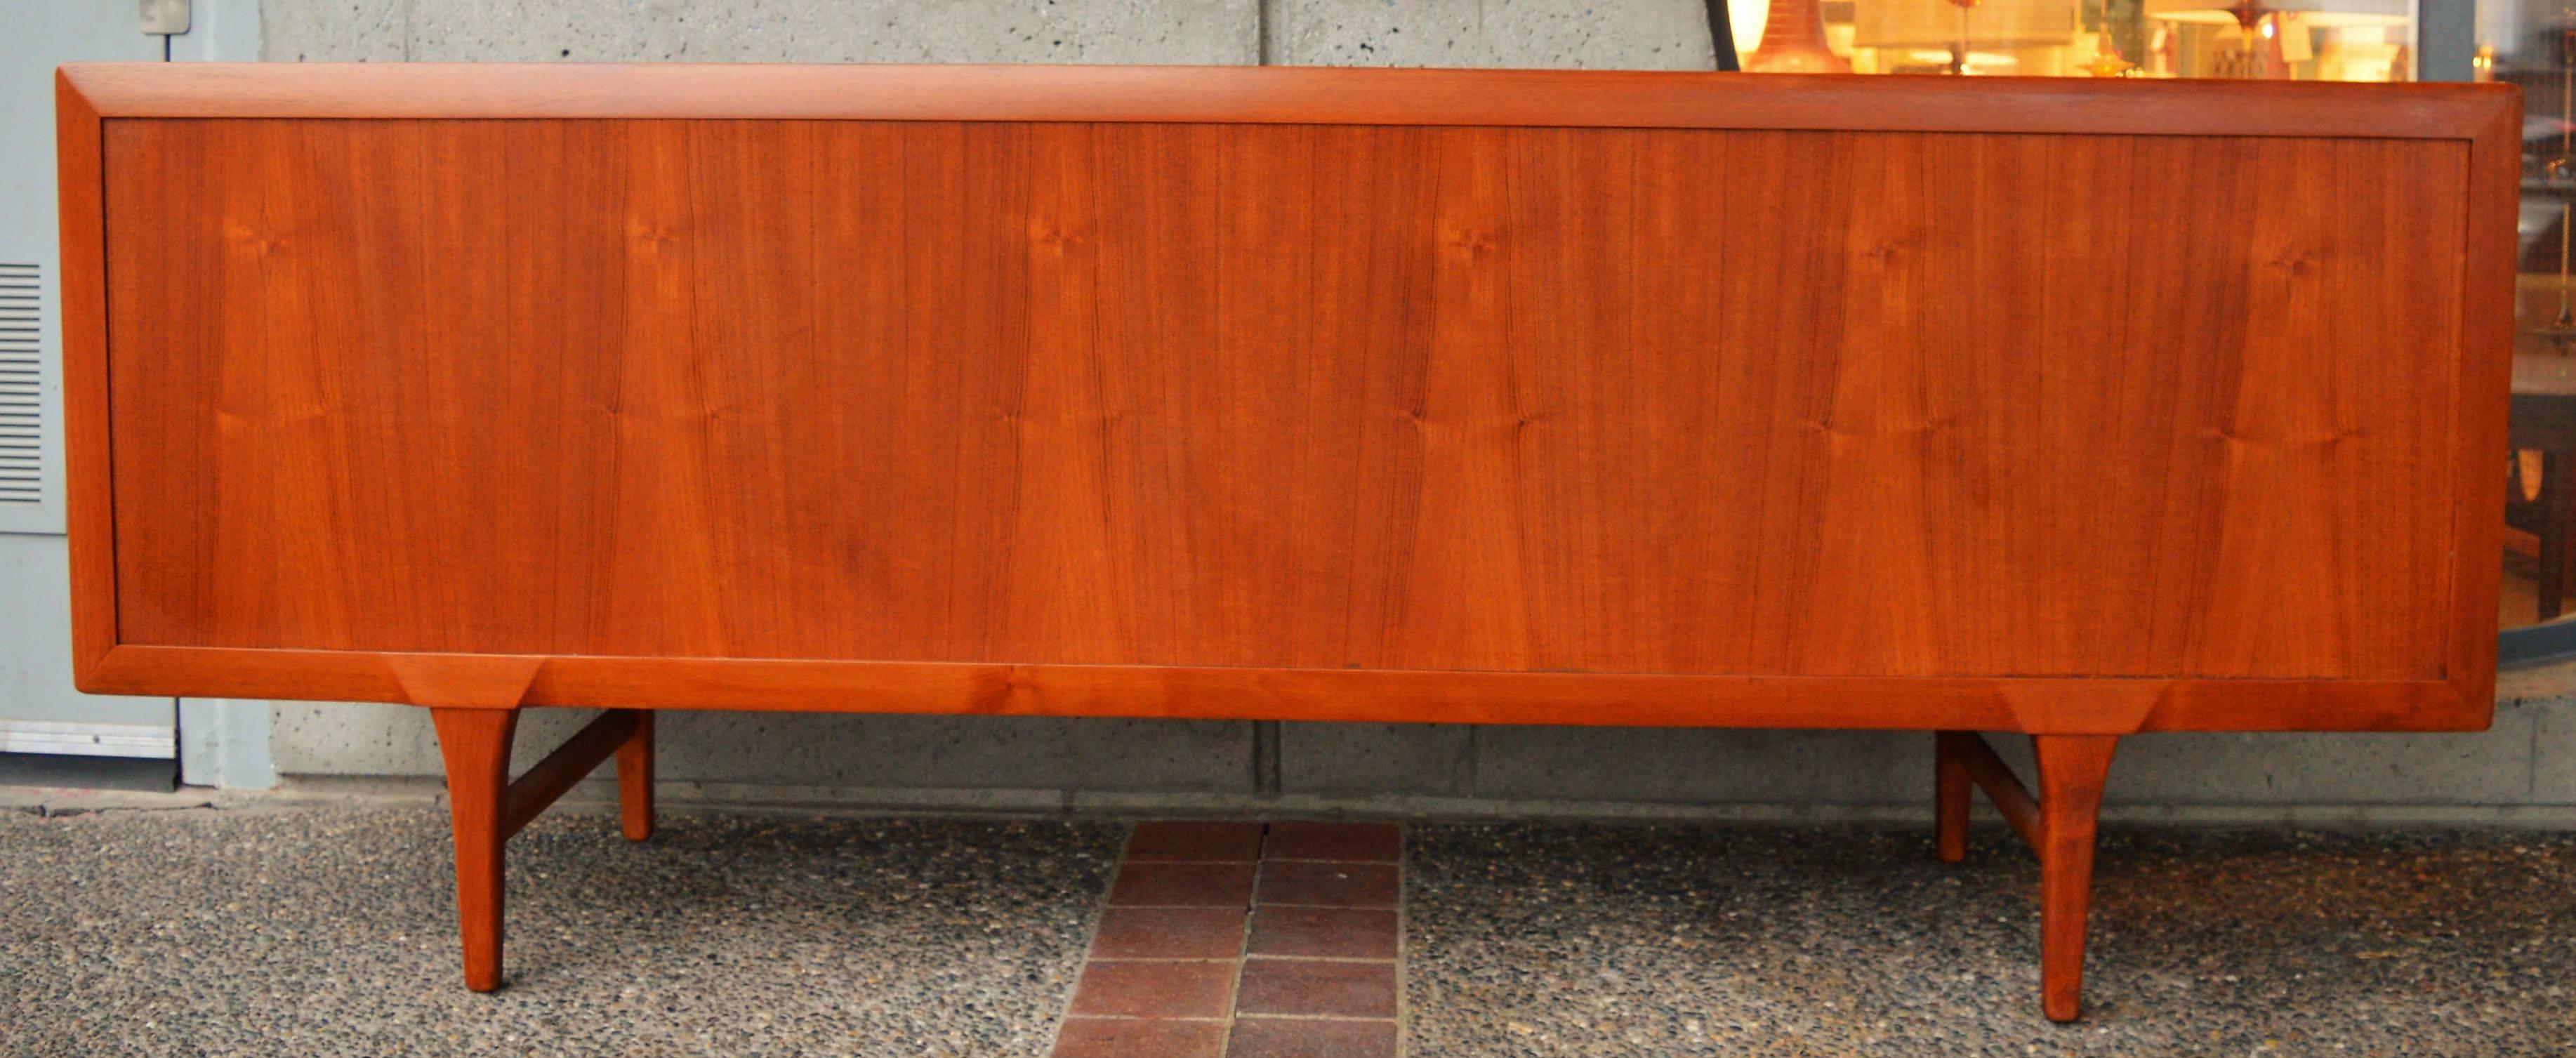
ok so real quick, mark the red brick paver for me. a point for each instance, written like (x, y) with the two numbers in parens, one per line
(1328, 884)
(1155, 988)
(1246, 940)
(1182, 885)
(1170, 933)
(1317, 987)
(1139, 1038)
(1258, 1037)
(1324, 932)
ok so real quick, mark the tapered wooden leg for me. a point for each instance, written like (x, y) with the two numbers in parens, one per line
(635, 778)
(1952, 787)
(476, 744)
(2072, 769)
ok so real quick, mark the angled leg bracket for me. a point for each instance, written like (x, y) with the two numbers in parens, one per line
(1966, 754)
(2058, 825)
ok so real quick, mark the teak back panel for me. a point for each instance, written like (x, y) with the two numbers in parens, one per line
(1304, 396)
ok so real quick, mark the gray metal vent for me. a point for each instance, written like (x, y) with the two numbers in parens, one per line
(22, 425)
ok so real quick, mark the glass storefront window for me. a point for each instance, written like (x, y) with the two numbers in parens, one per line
(2533, 45)
(2304, 40)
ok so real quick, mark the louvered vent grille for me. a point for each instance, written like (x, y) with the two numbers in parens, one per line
(21, 429)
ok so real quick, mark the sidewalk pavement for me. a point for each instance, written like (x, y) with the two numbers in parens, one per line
(278, 928)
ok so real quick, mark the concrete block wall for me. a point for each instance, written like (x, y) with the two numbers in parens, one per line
(2525, 768)
(1209, 32)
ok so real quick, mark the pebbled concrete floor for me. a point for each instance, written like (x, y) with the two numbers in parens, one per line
(328, 930)
(332, 932)
(1553, 940)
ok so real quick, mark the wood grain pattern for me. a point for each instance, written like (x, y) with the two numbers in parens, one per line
(2484, 397)
(2072, 706)
(965, 415)
(88, 514)
(1948, 428)
(1290, 95)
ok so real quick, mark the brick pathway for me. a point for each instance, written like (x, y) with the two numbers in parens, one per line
(1245, 940)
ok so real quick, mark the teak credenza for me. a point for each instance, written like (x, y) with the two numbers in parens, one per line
(2075, 409)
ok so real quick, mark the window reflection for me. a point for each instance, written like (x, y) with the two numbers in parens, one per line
(2534, 45)
(2304, 40)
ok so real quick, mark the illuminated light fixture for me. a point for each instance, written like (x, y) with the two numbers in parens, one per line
(1792, 35)
(2250, 15)
(2260, 21)
(1970, 34)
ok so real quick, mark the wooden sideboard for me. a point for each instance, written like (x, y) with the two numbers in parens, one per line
(2072, 409)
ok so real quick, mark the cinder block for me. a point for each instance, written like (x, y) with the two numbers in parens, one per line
(1214, 32)
(1703, 766)
(2492, 767)
(809, 749)
(2553, 750)
(353, 738)
(332, 30)
(1430, 760)
(1585, 34)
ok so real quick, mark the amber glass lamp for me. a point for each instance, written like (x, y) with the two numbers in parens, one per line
(1793, 40)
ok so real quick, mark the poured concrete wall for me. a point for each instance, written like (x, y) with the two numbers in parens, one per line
(2524, 768)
